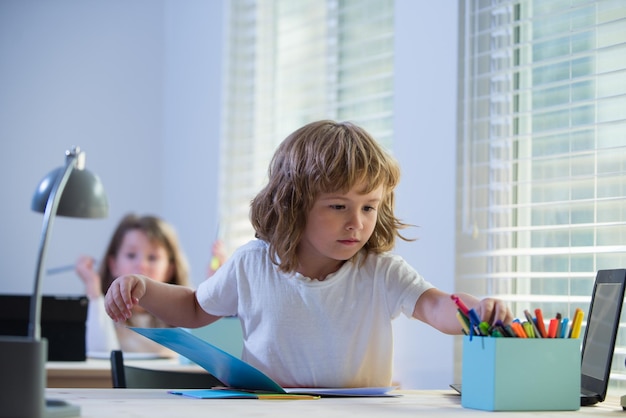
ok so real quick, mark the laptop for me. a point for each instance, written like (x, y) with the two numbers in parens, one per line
(600, 333)
(63, 321)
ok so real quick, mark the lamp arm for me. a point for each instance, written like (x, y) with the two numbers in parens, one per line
(34, 325)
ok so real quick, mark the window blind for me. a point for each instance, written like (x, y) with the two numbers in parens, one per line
(289, 63)
(542, 152)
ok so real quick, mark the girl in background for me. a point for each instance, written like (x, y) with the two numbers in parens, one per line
(145, 245)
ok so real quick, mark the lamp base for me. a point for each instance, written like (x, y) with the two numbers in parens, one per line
(23, 380)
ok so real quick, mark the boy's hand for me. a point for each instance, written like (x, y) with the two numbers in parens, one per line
(493, 310)
(123, 295)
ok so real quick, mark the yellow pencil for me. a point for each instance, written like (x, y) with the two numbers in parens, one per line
(463, 323)
(577, 324)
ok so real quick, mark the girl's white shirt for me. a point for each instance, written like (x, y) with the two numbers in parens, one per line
(104, 335)
(100, 332)
(309, 333)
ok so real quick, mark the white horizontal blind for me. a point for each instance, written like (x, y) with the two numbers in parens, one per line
(289, 63)
(542, 152)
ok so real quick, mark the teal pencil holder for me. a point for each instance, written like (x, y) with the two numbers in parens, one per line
(521, 374)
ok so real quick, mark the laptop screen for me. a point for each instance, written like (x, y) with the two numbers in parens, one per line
(601, 330)
(62, 323)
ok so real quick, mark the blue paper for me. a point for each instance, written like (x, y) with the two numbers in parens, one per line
(235, 373)
(228, 369)
(214, 394)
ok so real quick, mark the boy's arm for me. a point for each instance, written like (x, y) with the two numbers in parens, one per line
(437, 309)
(174, 304)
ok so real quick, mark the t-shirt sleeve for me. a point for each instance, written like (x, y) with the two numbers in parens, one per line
(217, 295)
(404, 286)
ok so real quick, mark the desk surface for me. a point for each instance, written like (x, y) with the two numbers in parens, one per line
(155, 403)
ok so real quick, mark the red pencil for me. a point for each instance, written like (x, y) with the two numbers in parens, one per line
(540, 324)
(460, 304)
(552, 328)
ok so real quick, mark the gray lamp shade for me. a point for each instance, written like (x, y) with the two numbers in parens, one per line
(83, 196)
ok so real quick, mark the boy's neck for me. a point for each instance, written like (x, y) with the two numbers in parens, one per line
(319, 272)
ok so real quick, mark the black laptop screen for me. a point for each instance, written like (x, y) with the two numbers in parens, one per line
(601, 330)
(62, 323)
(598, 342)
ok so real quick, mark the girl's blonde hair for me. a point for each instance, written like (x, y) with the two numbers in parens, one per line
(158, 232)
(323, 157)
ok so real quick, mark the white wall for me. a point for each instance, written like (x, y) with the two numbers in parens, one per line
(191, 124)
(136, 84)
(425, 145)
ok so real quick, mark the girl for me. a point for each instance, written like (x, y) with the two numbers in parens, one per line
(143, 245)
(318, 289)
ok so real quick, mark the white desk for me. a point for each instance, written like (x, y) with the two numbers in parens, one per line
(96, 373)
(156, 403)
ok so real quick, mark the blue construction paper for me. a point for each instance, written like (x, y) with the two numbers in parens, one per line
(228, 369)
(214, 394)
(233, 372)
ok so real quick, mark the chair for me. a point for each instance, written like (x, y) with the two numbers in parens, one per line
(125, 376)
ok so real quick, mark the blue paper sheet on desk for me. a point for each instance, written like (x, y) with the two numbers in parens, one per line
(229, 370)
(233, 372)
(214, 394)
(292, 393)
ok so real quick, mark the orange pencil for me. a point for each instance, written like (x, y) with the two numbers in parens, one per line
(518, 329)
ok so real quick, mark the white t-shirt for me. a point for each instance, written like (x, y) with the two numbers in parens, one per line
(308, 333)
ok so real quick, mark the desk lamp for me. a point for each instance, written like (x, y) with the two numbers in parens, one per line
(66, 191)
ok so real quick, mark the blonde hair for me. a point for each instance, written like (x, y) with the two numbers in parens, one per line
(323, 157)
(158, 232)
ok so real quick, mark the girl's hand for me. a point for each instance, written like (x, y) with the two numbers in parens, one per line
(218, 256)
(124, 293)
(85, 268)
(493, 310)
